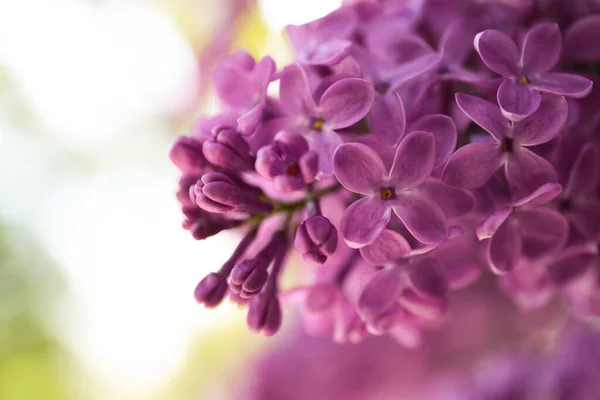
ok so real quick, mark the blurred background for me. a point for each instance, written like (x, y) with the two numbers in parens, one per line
(96, 274)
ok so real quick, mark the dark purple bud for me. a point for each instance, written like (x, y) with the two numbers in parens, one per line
(264, 313)
(211, 290)
(185, 194)
(288, 162)
(228, 149)
(203, 224)
(249, 277)
(316, 238)
(187, 154)
(216, 192)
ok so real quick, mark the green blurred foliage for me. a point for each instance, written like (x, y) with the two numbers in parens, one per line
(33, 364)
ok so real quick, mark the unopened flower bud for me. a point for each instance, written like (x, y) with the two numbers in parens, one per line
(211, 290)
(187, 154)
(264, 313)
(316, 238)
(228, 149)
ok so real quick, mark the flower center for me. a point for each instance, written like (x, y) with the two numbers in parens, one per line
(387, 193)
(317, 124)
(523, 80)
(292, 170)
(507, 145)
(382, 87)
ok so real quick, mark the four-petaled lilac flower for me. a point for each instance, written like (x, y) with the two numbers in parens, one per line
(473, 165)
(324, 41)
(288, 162)
(526, 72)
(342, 104)
(524, 228)
(242, 85)
(360, 169)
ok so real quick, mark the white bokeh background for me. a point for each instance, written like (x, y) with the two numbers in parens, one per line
(102, 81)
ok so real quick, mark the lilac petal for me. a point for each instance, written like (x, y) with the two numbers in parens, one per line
(456, 43)
(387, 119)
(410, 70)
(389, 246)
(325, 143)
(380, 293)
(542, 229)
(233, 86)
(329, 53)
(295, 93)
(571, 85)
(498, 52)
(428, 279)
(526, 171)
(337, 24)
(364, 221)
(248, 122)
(585, 173)
(472, 165)
(488, 227)
(455, 202)
(568, 266)
(358, 168)
(544, 124)
(414, 160)
(581, 39)
(346, 102)
(423, 218)
(542, 195)
(586, 216)
(541, 48)
(517, 101)
(505, 248)
(444, 134)
(485, 114)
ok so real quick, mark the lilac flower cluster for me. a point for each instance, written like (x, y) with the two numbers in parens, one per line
(412, 147)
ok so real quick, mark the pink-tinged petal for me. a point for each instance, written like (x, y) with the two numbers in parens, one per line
(571, 85)
(540, 196)
(428, 279)
(294, 92)
(498, 52)
(423, 218)
(541, 48)
(380, 293)
(325, 143)
(581, 40)
(505, 248)
(337, 24)
(410, 70)
(358, 168)
(346, 102)
(248, 122)
(542, 229)
(517, 101)
(473, 165)
(329, 53)
(488, 227)
(526, 172)
(544, 124)
(414, 160)
(233, 87)
(585, 173)
(364, 221)
(455, 202)
(444, 134)
(389, 246)
(387, 118)
(485, 114)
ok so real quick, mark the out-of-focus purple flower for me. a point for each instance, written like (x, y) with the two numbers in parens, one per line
(288, 162)
(241, 85)
(473, 165)
(580, 44)
(323, 41)
(524, 227)
(527, 72)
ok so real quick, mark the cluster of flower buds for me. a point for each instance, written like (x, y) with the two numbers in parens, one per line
(412, 147)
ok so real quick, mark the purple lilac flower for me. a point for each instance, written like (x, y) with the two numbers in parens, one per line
(527, 72)
(401, 169)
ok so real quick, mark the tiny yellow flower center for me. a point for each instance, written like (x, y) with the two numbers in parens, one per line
(317, 125)
(387, 193)
(523, 80)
